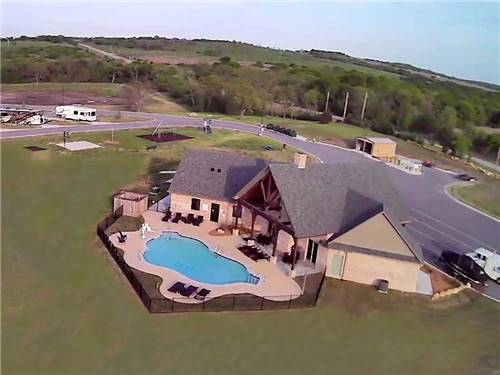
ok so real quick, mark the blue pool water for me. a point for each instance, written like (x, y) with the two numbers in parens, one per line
(195, 260)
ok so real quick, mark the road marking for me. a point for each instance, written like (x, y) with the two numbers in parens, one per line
(452, 228)
(443, 233)
(429, 237)
(469, 206)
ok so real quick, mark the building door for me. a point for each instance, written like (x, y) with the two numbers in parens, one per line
(312, 251)
(214, 212)
(336, 266)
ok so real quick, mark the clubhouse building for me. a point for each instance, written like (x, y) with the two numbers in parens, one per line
(343, 219)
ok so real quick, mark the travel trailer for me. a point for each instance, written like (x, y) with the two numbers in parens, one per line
(76, 112)
(488, 261)
(22, 116)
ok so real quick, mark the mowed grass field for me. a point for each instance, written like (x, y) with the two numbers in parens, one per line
(67, 309)
(193, 52)
(485, 195)
(101, 89)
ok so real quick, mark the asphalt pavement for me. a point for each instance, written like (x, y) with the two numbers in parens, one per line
(439, 222)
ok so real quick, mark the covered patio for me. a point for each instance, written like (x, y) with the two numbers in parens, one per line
(261, 211)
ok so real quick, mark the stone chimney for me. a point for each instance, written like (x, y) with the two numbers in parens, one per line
(300, 160)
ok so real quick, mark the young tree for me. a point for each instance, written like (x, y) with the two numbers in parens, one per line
(135, 95)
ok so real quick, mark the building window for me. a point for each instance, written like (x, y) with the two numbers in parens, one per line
(195, 204)
(75, 112)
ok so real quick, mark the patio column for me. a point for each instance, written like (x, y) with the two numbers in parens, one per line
(294, 251)
(275, 239)
(254, 216)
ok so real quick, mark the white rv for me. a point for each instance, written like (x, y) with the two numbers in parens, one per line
(488, 261)
(76, 112)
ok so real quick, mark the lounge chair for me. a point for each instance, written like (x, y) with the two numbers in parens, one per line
(190, 218)
(202, 294)
(176, 287)
(177, 217)
(168, 216)
(187, 292)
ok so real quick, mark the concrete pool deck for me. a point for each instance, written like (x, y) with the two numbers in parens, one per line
(274, 285)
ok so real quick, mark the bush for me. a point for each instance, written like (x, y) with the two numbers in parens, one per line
(325, 117)
(308, 116)
(282, 129)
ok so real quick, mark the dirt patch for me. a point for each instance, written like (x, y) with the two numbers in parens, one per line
(35, 148)
(60, 98)
(439, 280)
(164, 137)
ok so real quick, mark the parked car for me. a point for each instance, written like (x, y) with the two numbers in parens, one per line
(464, 268)
(428, 163)
(466, 177)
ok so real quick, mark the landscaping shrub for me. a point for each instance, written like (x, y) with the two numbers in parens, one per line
(325, 118)
(282, 129)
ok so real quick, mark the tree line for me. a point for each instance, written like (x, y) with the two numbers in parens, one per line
(410, 107)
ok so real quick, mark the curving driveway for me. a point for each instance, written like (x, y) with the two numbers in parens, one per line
(438, 221)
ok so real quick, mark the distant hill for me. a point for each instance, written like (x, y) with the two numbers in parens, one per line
(400, 68)
(175, 50)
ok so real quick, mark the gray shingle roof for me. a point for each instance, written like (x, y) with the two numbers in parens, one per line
(333, 198)
(195, 176)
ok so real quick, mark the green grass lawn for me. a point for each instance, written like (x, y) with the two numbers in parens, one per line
(67, 309)
(104, 89)
(484, 195)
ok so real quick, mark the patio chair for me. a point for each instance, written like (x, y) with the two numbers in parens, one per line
(189, 219)
(167, 217)
(263, 240)
(121, 237)
(177, 217)
(202, 294)
(187, 292)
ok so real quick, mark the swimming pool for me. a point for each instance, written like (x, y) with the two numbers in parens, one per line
(195, 260)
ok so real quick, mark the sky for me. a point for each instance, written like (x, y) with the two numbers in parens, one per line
(458, 39)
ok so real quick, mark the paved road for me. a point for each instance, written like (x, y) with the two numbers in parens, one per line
(487, 164)
(438, 222)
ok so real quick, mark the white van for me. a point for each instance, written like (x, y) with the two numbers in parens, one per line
(76, 112)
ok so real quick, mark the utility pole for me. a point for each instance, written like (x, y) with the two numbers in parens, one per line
(364, 106)
(345, 105)
(327, 100)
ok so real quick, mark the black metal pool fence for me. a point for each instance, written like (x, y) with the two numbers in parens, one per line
(236, 302)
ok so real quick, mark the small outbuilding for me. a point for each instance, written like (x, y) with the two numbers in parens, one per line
(133, 204)
(380, 148)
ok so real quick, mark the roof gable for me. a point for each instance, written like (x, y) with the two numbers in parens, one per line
(215, 174)
(378, 234)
